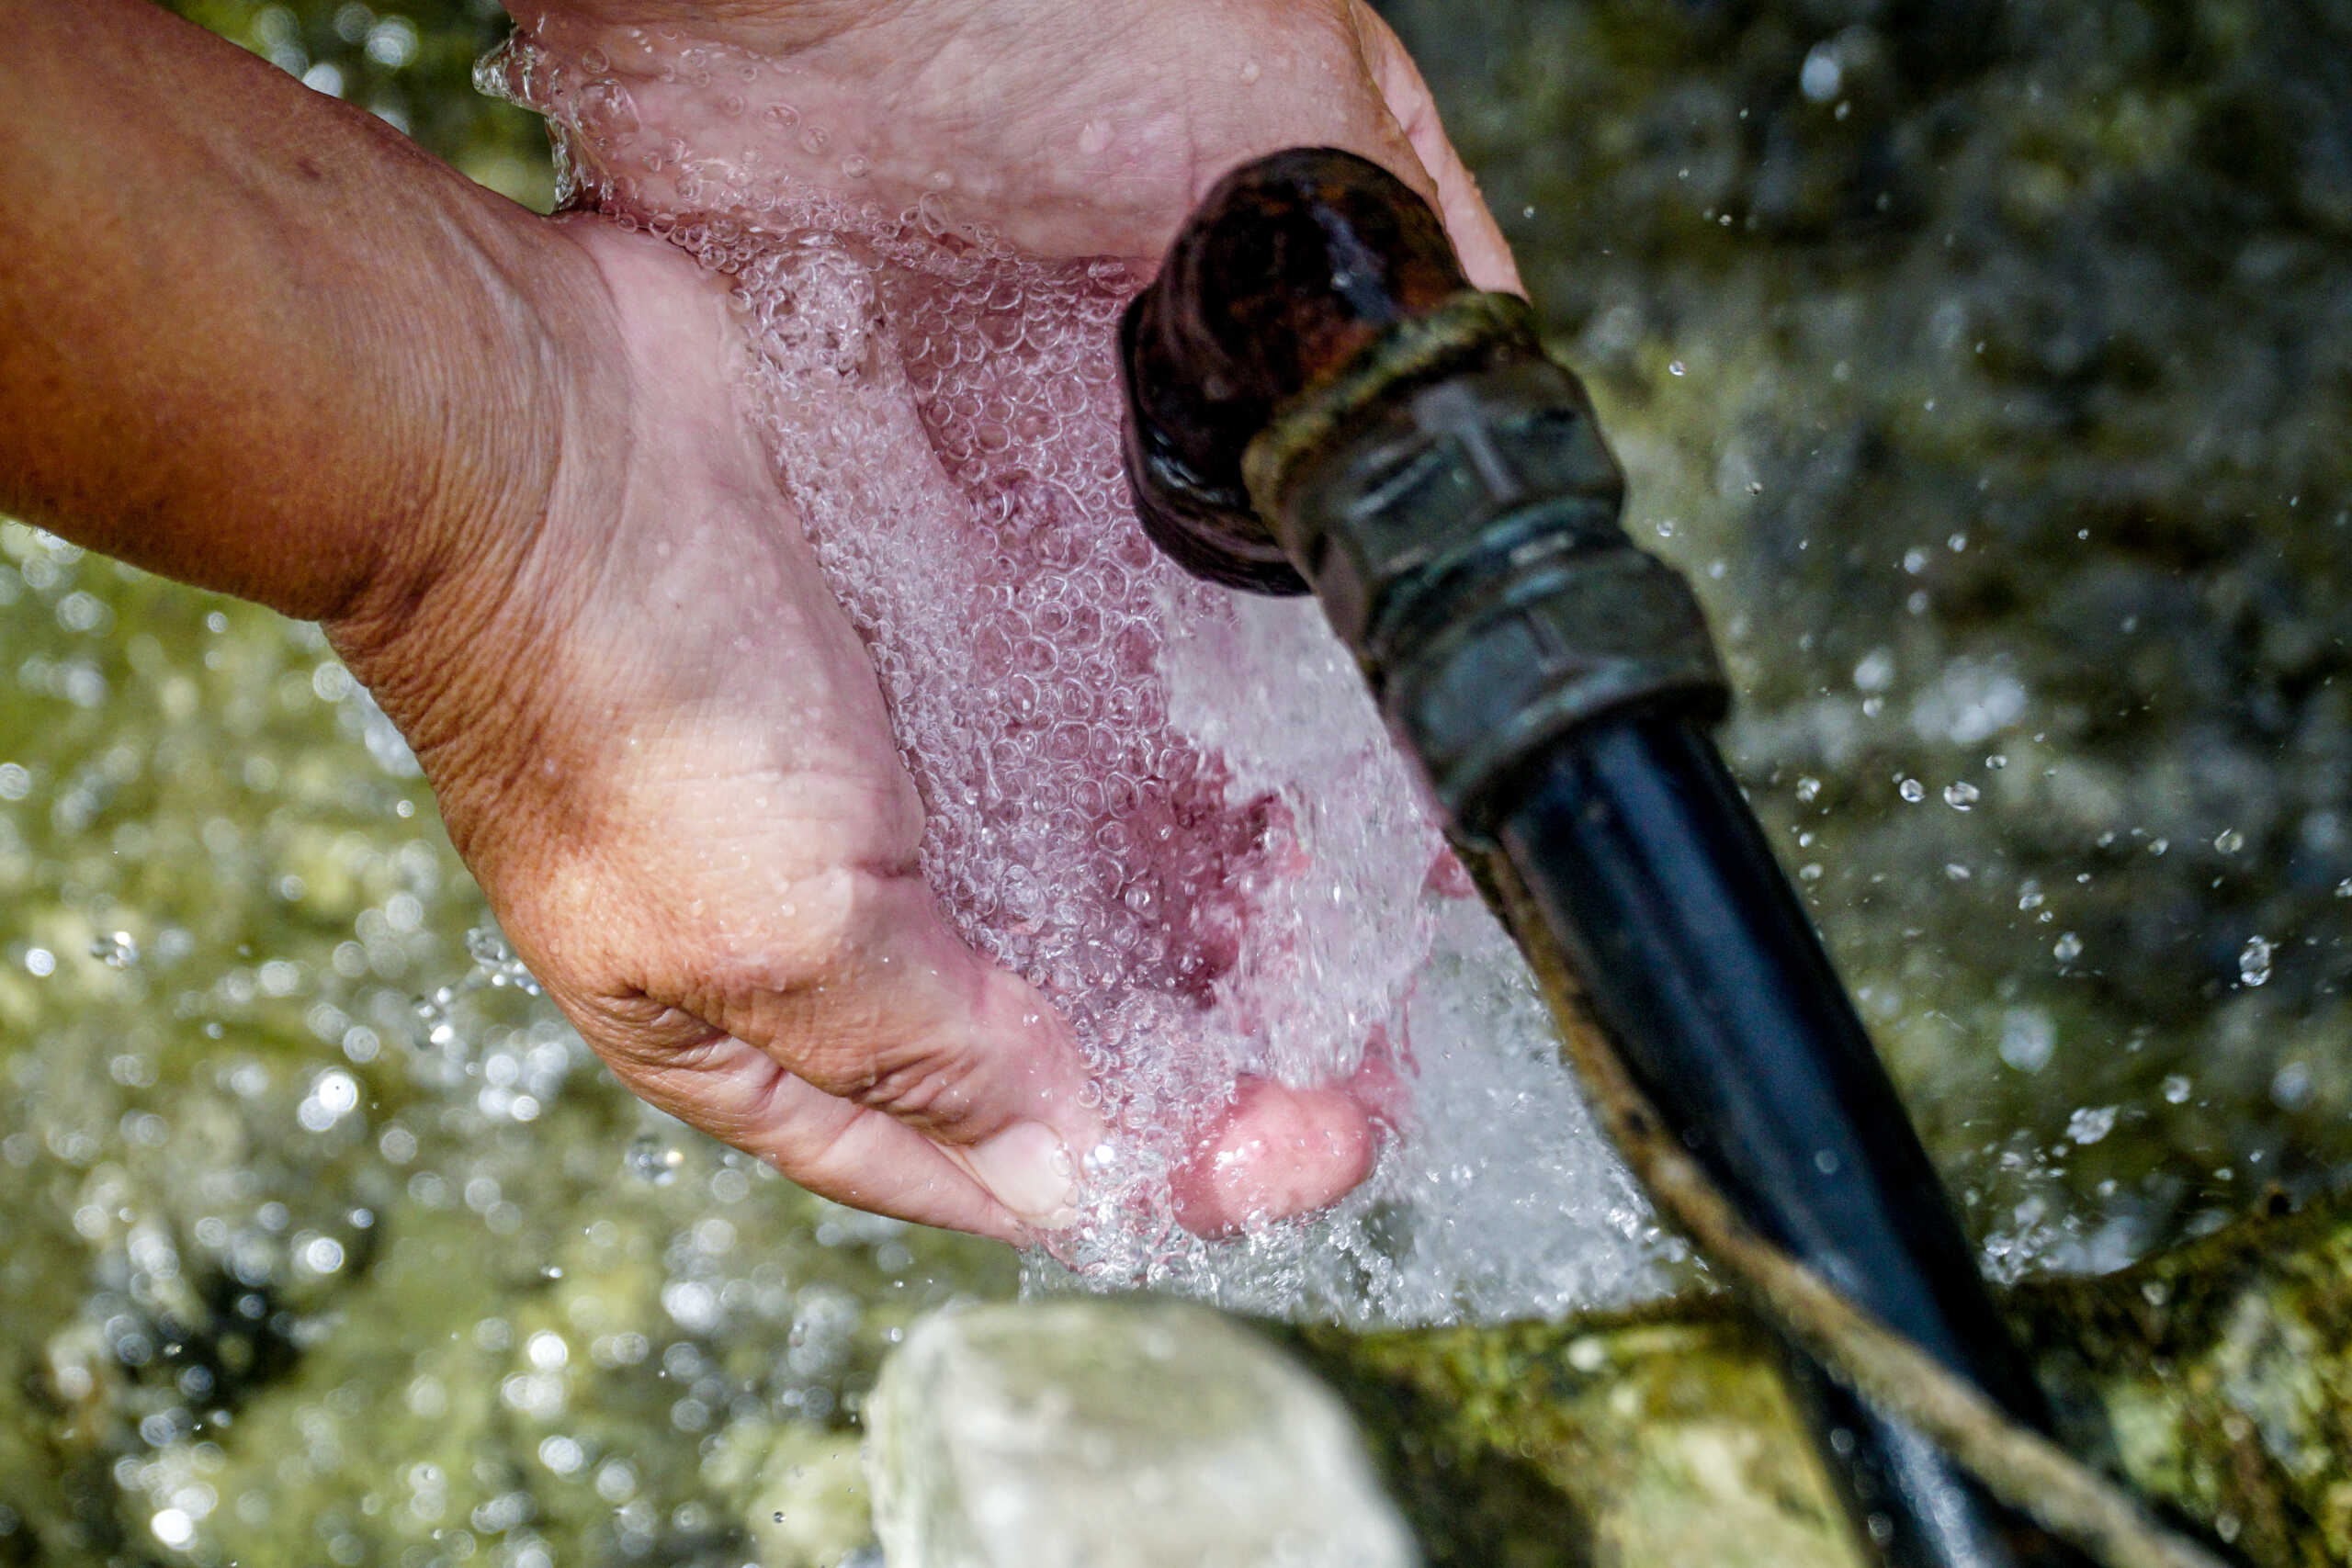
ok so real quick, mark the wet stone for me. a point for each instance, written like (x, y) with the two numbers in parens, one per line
(1117, 1434)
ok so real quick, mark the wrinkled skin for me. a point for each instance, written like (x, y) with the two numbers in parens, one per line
(570, 579)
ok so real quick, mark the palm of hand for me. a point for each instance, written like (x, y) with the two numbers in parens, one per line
(708, 844)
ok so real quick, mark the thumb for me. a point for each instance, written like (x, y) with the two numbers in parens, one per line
(867, 1053)
(908, 1022)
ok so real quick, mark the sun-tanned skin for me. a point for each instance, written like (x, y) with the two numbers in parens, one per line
(253, 339)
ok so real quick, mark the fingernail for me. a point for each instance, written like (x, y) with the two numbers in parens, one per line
(1029, 1169)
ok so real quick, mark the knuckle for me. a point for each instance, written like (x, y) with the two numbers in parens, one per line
(929, 1089)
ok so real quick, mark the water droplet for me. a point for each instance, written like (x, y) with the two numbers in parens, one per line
(2229, 840)
(1912, 790)
(2028, 1039)
(2067, 948)
(2090, 1123)
(1808, 789)
(1676, 368)
(115, 949)
(2254, 961)
(1962, 796)
(1822, 75)
(651, 1160)
(2175, 1090)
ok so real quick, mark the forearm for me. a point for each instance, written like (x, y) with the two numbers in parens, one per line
(250, 337)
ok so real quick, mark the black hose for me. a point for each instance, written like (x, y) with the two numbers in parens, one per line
(1633, 844)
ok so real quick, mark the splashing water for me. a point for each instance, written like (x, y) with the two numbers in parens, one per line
(1173, 810)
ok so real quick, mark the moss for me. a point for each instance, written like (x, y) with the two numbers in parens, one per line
(1663, 1436)
(2215, 1379)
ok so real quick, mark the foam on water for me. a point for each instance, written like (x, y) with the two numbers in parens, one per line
(1171, 808)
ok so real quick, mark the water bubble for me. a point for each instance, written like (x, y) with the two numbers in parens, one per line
(2067, 948)
(1912, 790)
(1808, 789)
(1962, 796)
(2174, 1089)
(116, 950)
(2229, 840)
(1676, 368)
(2254, 961)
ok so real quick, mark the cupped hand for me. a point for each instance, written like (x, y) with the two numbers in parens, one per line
(655, 737)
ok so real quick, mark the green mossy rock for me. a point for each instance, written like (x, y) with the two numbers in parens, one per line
(2215, 1379)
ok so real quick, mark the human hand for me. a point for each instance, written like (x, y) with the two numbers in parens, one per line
(882, 110)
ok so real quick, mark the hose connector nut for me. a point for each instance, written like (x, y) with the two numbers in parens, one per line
(1460, 529)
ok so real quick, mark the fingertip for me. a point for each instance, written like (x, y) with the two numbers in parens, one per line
(1479, 241)
(1030, 1169)
(1279, 1152)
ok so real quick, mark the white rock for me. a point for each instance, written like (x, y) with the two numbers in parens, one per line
(1117, 1434)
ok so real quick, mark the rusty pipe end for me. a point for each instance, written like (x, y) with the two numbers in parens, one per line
(1287, 269)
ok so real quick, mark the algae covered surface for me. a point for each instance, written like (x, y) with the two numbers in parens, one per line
(1987, 366)
(2215, 1380)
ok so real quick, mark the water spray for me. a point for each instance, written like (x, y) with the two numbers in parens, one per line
(1319, 402)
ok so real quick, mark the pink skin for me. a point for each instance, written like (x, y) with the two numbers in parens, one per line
(503, 459)
(1083, 152)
